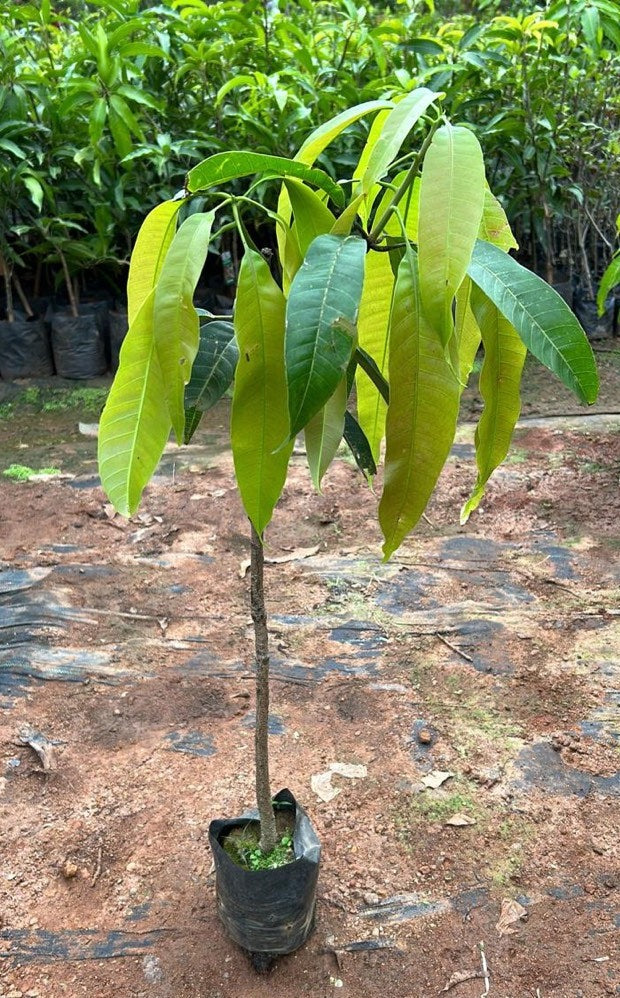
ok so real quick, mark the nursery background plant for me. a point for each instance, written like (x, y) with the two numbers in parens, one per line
(104, 107)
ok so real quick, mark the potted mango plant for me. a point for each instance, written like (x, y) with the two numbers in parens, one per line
(389, 280)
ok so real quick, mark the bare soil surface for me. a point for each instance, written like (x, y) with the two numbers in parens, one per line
(489, 652)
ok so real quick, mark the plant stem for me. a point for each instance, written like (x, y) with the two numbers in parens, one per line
(6, 273)
(69, 283)
(412, 173)
(261, 732)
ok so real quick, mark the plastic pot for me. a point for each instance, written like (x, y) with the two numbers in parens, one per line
(25, 349)
(79, 343)
(268, 912)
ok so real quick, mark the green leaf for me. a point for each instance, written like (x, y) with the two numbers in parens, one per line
(225, 166)
(422, 414)
(372, 329)
(358, 444)
(321, 314)
(120, 133)
(312, 216)
(97, 119)
(609, 280)
(395, 130)
(176, 327)
(134, 425)
(542, 319)
(259, 421)
(35, 190)
(324, 432)
(128, 117)
(192, 421)
(468, 335)
(500, 377)
(9, 146)
(318, 141)
(213, 369)
(152, 244)
(451, 205)
(494, 226)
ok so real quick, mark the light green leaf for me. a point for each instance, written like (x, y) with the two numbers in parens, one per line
(152, 244)
(422, 414)
(224, 166)
(35, 190)
(134, 425)
(259, 421)
(395, 130)
(500, 377)
(128, 117)
(317, 142)
(372, 330)
(176, 327)
(609, 280)
(321, 314)
(324, 432)
(542, 319)
(468, 335)
(494, 226)
(312, 216)
(451, 204)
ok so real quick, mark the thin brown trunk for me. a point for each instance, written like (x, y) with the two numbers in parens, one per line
(261, 734)
(6, 273)
(69, 284)
(22, 296)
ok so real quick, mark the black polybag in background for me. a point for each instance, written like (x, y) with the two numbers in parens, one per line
(118, 331)
(25, 349)
(268, 911)
(79, 343)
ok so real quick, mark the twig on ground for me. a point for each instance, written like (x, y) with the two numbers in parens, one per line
(485, 971)
(449, 644)
(98, 868)
(460, 977)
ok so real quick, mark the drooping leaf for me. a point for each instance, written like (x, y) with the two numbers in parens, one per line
(152, 244)
(542, 319)
(372, 329)
(176, 326)
(224, 166)
(494, 226)
(259, 420)
(468, 335)
(324, 432)
(212, 372)
(451, 205)
(358, 444)
(370, 367)
(134, 425)
(422, 414)
(321, 316)
(500, 377)
(312, 216)
(192, 421)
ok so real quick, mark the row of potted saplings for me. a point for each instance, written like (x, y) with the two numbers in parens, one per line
(78, 341)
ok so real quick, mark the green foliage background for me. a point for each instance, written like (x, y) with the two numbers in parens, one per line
(105, 106)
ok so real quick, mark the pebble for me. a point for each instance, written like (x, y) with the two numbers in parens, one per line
(424, 736)
(371, 898)
(69, 870)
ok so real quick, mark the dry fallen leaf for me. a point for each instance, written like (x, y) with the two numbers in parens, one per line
(511, 913)
(435, 779)
(349, 769)
(459, 977)
(460, 819)
(321, 784)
